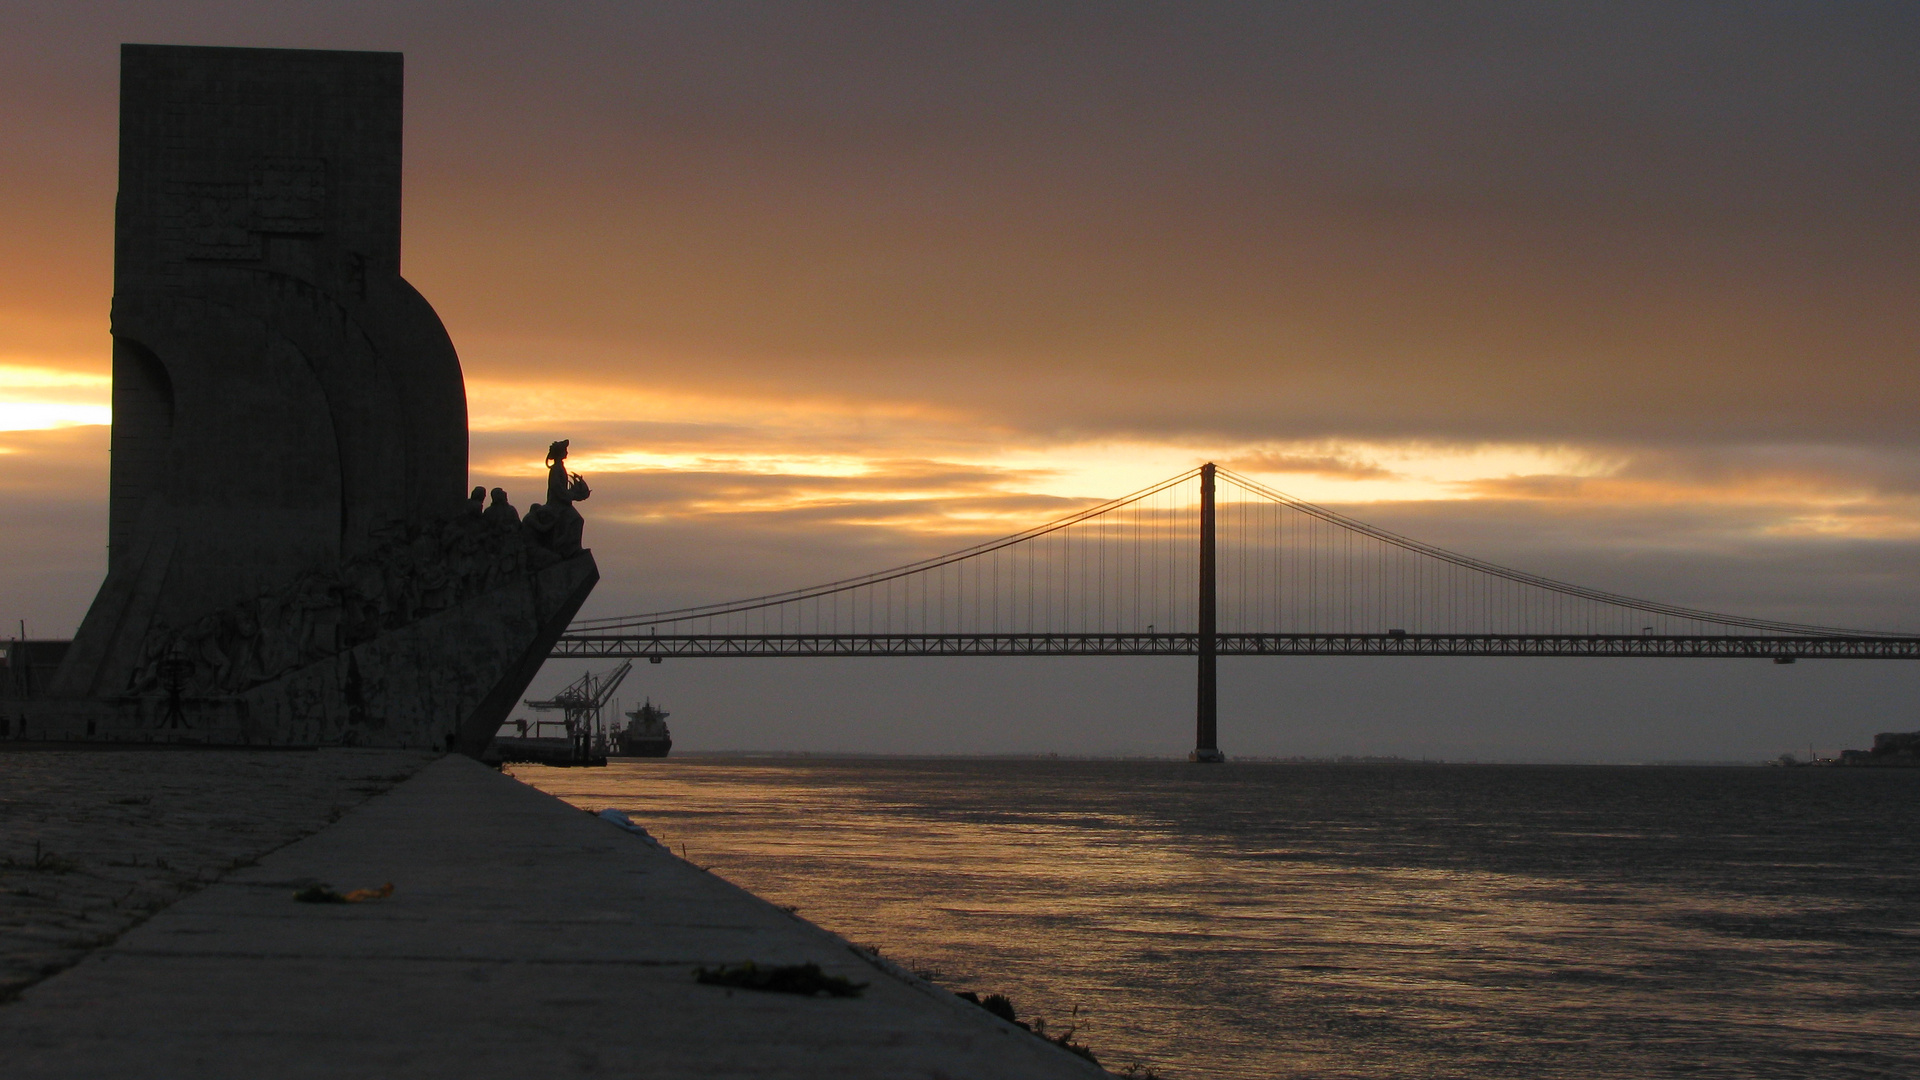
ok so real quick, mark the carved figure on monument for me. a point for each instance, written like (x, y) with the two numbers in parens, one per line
(364, 601)
(556, 524)
(317, 616)
(244, 648)
(174, 669)
(146, 675)
(279, 637)
(563, 486)
(209, 659)
(501, 513)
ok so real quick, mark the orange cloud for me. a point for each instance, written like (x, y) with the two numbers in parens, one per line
(1340, 465)
(36, 396)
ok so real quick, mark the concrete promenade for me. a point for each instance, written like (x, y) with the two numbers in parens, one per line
(93, 841)
(523, 939)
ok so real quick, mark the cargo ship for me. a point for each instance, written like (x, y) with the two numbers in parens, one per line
(646, 733)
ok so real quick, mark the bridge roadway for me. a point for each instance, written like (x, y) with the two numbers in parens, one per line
(1779, 648)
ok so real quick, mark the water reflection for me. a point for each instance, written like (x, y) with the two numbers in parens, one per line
(1261, 920)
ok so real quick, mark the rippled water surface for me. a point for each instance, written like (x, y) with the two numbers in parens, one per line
(1255, 920)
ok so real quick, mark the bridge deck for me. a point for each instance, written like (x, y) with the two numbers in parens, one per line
(1775, 647)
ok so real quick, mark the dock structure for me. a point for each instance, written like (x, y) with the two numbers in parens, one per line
(522, 938)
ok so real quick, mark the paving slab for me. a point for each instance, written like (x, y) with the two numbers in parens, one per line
(523, 938)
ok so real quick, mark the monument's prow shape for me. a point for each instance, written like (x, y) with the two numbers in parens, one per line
(291, 554)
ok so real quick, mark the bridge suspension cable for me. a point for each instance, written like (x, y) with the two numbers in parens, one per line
(1131, 566)
(1411, 579)
(806, 605)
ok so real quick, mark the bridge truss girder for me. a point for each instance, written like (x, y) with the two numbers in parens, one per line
(1751, 647)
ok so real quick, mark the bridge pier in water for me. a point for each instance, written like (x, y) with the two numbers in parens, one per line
(1206, 735)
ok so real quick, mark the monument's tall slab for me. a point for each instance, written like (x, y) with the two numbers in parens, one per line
(290, 427)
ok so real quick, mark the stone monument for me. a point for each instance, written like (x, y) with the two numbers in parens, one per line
(293, 557)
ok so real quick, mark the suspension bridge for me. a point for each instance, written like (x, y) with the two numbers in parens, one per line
(1205, 564)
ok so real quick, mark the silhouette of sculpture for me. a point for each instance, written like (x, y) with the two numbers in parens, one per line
(555, 523)
(563, 486)
(558, 479)
(502, 514)
(259, 315)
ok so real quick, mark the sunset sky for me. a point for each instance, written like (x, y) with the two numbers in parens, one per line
(1627, 294)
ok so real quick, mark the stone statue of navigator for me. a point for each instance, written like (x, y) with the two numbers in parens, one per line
(556, 524)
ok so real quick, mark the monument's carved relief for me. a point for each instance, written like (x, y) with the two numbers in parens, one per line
(409, 574)
(293, 554)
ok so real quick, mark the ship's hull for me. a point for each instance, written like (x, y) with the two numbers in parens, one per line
(561, 752)
(646, 746)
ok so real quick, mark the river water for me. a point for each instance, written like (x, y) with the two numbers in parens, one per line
(1261, 920)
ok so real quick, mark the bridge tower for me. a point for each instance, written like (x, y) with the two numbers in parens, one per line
(1206, 739)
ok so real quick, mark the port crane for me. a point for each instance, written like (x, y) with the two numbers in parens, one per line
(580, 705)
